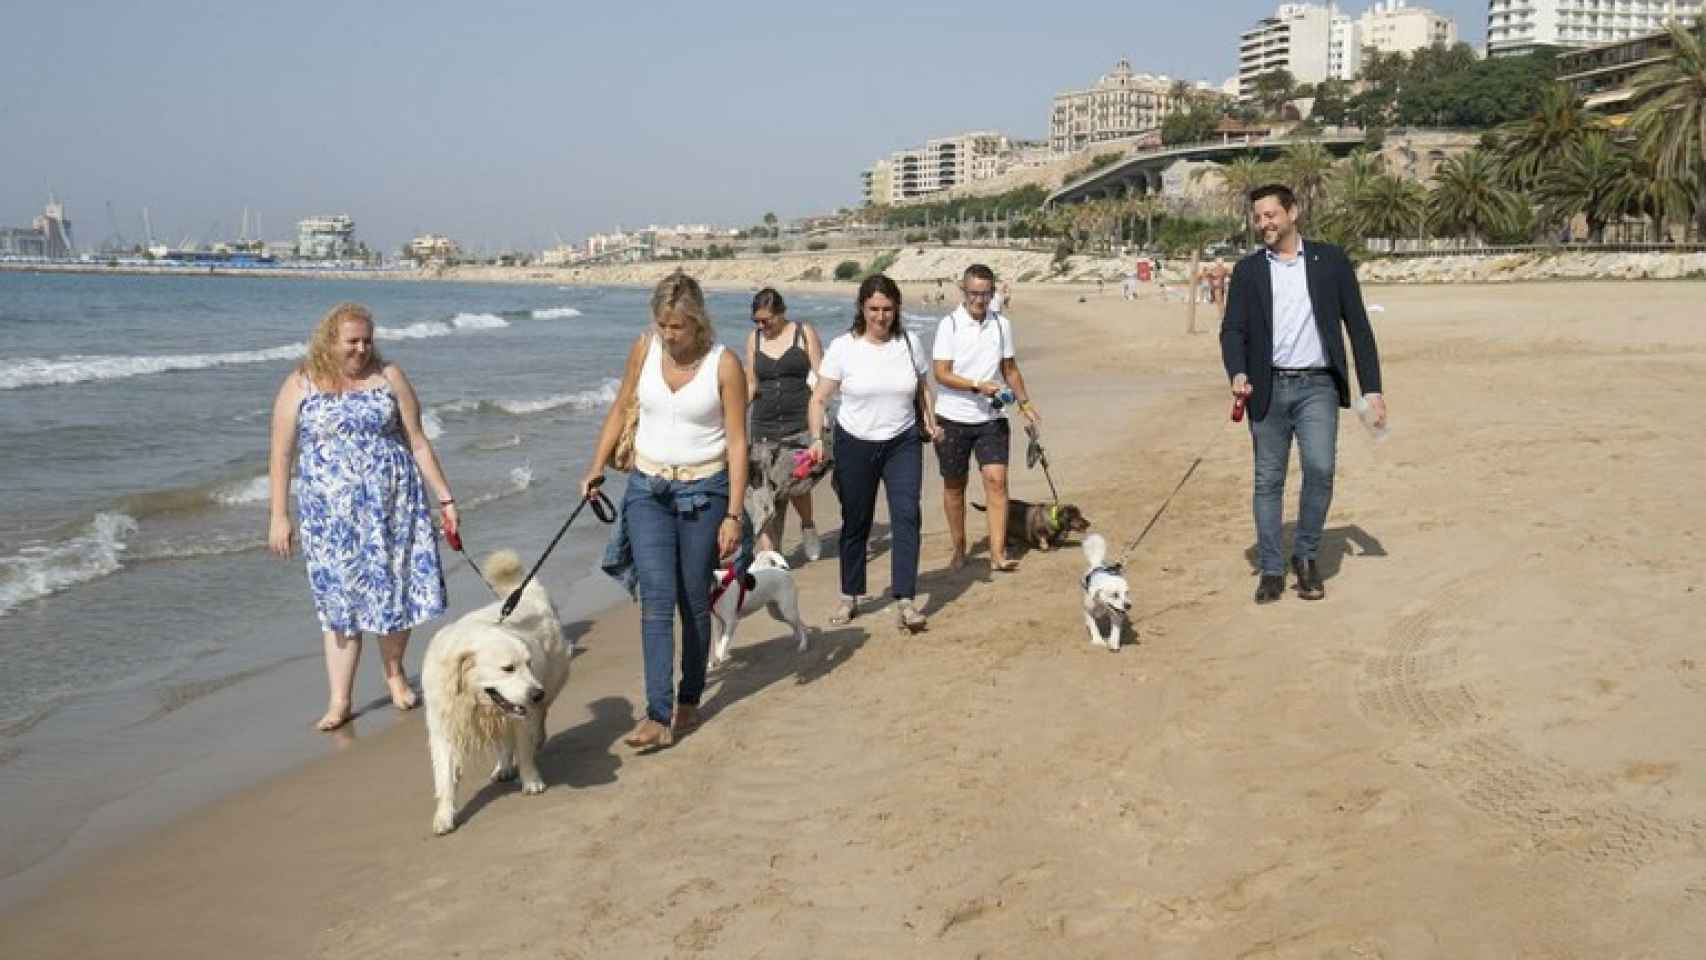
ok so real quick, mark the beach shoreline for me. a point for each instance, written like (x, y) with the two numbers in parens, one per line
(1454, 754)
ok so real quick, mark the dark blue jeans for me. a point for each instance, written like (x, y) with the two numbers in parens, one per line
(898, 464)
(673, 528)
(1306, 406)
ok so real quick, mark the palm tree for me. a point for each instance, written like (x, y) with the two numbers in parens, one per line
(1145, 205)
(1391, 207)
(1528, 146)
(1671, 121)
(1237, 179)
(1589, 178)
(1307, 166)
(1469, 199)
(1272, 89)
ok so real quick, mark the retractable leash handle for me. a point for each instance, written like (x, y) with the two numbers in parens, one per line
(601, 508)
(1238, 409)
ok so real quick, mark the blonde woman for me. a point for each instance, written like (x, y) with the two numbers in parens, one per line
(683, 504)
(367, 533)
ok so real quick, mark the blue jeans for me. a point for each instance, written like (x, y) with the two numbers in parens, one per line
(898, 464)
(1306, 406)
(673, 529)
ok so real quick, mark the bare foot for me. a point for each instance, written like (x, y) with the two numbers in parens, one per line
(402, 695)
(957, 561)
(1003, 565)
(336, 716)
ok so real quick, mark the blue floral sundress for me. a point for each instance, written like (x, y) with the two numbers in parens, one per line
(366, 532)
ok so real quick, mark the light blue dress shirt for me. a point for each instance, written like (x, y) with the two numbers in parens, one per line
(1297, 342)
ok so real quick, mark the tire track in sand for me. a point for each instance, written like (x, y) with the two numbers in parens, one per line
(1415, 683)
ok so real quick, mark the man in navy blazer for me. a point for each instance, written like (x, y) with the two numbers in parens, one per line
(1282, 340)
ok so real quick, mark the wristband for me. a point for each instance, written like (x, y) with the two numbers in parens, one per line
(447, 501)
(732, 516)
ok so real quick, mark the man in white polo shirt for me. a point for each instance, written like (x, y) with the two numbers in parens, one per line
(974, 365)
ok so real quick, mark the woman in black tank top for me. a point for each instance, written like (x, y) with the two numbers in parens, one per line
(779, 392)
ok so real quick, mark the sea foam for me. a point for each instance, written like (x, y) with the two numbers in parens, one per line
(601, 396)
(556, 313)
(44, 371)
(39, 570)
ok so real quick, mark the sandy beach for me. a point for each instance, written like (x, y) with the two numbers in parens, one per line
(1489, 740)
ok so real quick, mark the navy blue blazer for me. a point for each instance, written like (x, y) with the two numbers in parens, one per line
(1247, 329)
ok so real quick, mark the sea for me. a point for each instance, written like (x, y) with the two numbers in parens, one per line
(154, 652)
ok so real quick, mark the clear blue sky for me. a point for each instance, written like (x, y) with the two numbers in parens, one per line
(501, 122)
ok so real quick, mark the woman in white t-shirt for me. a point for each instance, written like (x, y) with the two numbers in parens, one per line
(881, 371)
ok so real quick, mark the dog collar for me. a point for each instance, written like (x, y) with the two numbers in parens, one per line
(722, 586)
(1113, 569)
(1054, 518)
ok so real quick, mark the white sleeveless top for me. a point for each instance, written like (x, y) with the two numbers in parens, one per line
(680, 427)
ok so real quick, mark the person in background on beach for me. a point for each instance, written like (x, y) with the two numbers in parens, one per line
(682, 508)
(974, 360)
(782, 356)
(885, 402)
(1282, 340)
(362, 509)
(1216, 274)
(1003, 298)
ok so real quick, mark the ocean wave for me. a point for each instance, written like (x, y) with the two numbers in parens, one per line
(43, 371)
(556, 313)
(414, 331)
(520, 478)
(431, 425)
(37, 571)
(601, 396)
(197, 547)
(478, 321)
(243, 492)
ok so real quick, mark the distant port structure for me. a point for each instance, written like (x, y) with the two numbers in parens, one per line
(47, 237)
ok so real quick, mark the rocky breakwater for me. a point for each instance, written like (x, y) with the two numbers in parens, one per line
(1517, 267)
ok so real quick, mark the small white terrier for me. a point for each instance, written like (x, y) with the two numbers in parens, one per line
(768, 583)
(1106, 595)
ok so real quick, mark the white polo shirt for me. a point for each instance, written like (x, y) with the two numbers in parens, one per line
(975, 351)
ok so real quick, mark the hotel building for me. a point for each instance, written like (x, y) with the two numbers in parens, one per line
(1517, 27)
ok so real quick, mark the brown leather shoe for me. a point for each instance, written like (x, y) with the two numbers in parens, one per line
(649, 734)
(1309, 585)
(686, 719)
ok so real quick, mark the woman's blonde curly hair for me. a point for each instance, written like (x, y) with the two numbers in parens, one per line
(679, 293)
(321, 364)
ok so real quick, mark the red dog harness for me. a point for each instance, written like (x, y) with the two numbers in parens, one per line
(722, 586)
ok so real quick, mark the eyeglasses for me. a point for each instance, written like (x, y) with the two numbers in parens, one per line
(978, 294)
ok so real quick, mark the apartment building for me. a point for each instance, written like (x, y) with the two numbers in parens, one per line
(1298, 38)
(942, 164)
(1122, 104)
(1516, 27)
(326, 238)
(1393, 26)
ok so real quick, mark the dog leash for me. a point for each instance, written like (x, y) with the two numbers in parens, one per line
(602, 508)
(1035, 454)
(454, 538)
(1214, 436)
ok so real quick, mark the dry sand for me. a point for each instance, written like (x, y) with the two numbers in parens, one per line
(1487, 741)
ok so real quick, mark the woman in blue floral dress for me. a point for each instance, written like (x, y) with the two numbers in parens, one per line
(352, 425)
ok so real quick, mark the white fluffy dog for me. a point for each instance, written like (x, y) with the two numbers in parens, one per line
(488, 686)
(768, 583)
(1106, 595)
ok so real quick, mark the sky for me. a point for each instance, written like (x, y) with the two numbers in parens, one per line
(506, 125)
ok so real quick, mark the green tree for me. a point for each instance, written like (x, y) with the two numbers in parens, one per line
(1392, 207)
(1529, 146)
(1194, 125)
(1671, 120)
(1470, 200)
(1589, 178)
(1272, 89)
(1306, 167)
(847, 270)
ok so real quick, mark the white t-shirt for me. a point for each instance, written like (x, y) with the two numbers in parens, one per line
(878, 382)
(975, 351)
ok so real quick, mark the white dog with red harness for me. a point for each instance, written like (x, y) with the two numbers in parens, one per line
(768, 583)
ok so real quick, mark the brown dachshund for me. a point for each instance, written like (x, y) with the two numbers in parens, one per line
(1041, 526)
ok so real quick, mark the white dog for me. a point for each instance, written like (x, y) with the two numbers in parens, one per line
(1106, 595)
(768, 583)
(488, 686)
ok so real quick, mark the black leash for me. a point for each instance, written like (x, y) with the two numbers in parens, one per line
(1035, 454)
(601, 508)
(1237, 415)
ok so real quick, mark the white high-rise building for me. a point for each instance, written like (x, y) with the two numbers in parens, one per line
(1298, 38)
(1393, 26)
(1519, 26)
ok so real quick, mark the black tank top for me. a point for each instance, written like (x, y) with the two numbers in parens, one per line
(779, 409)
